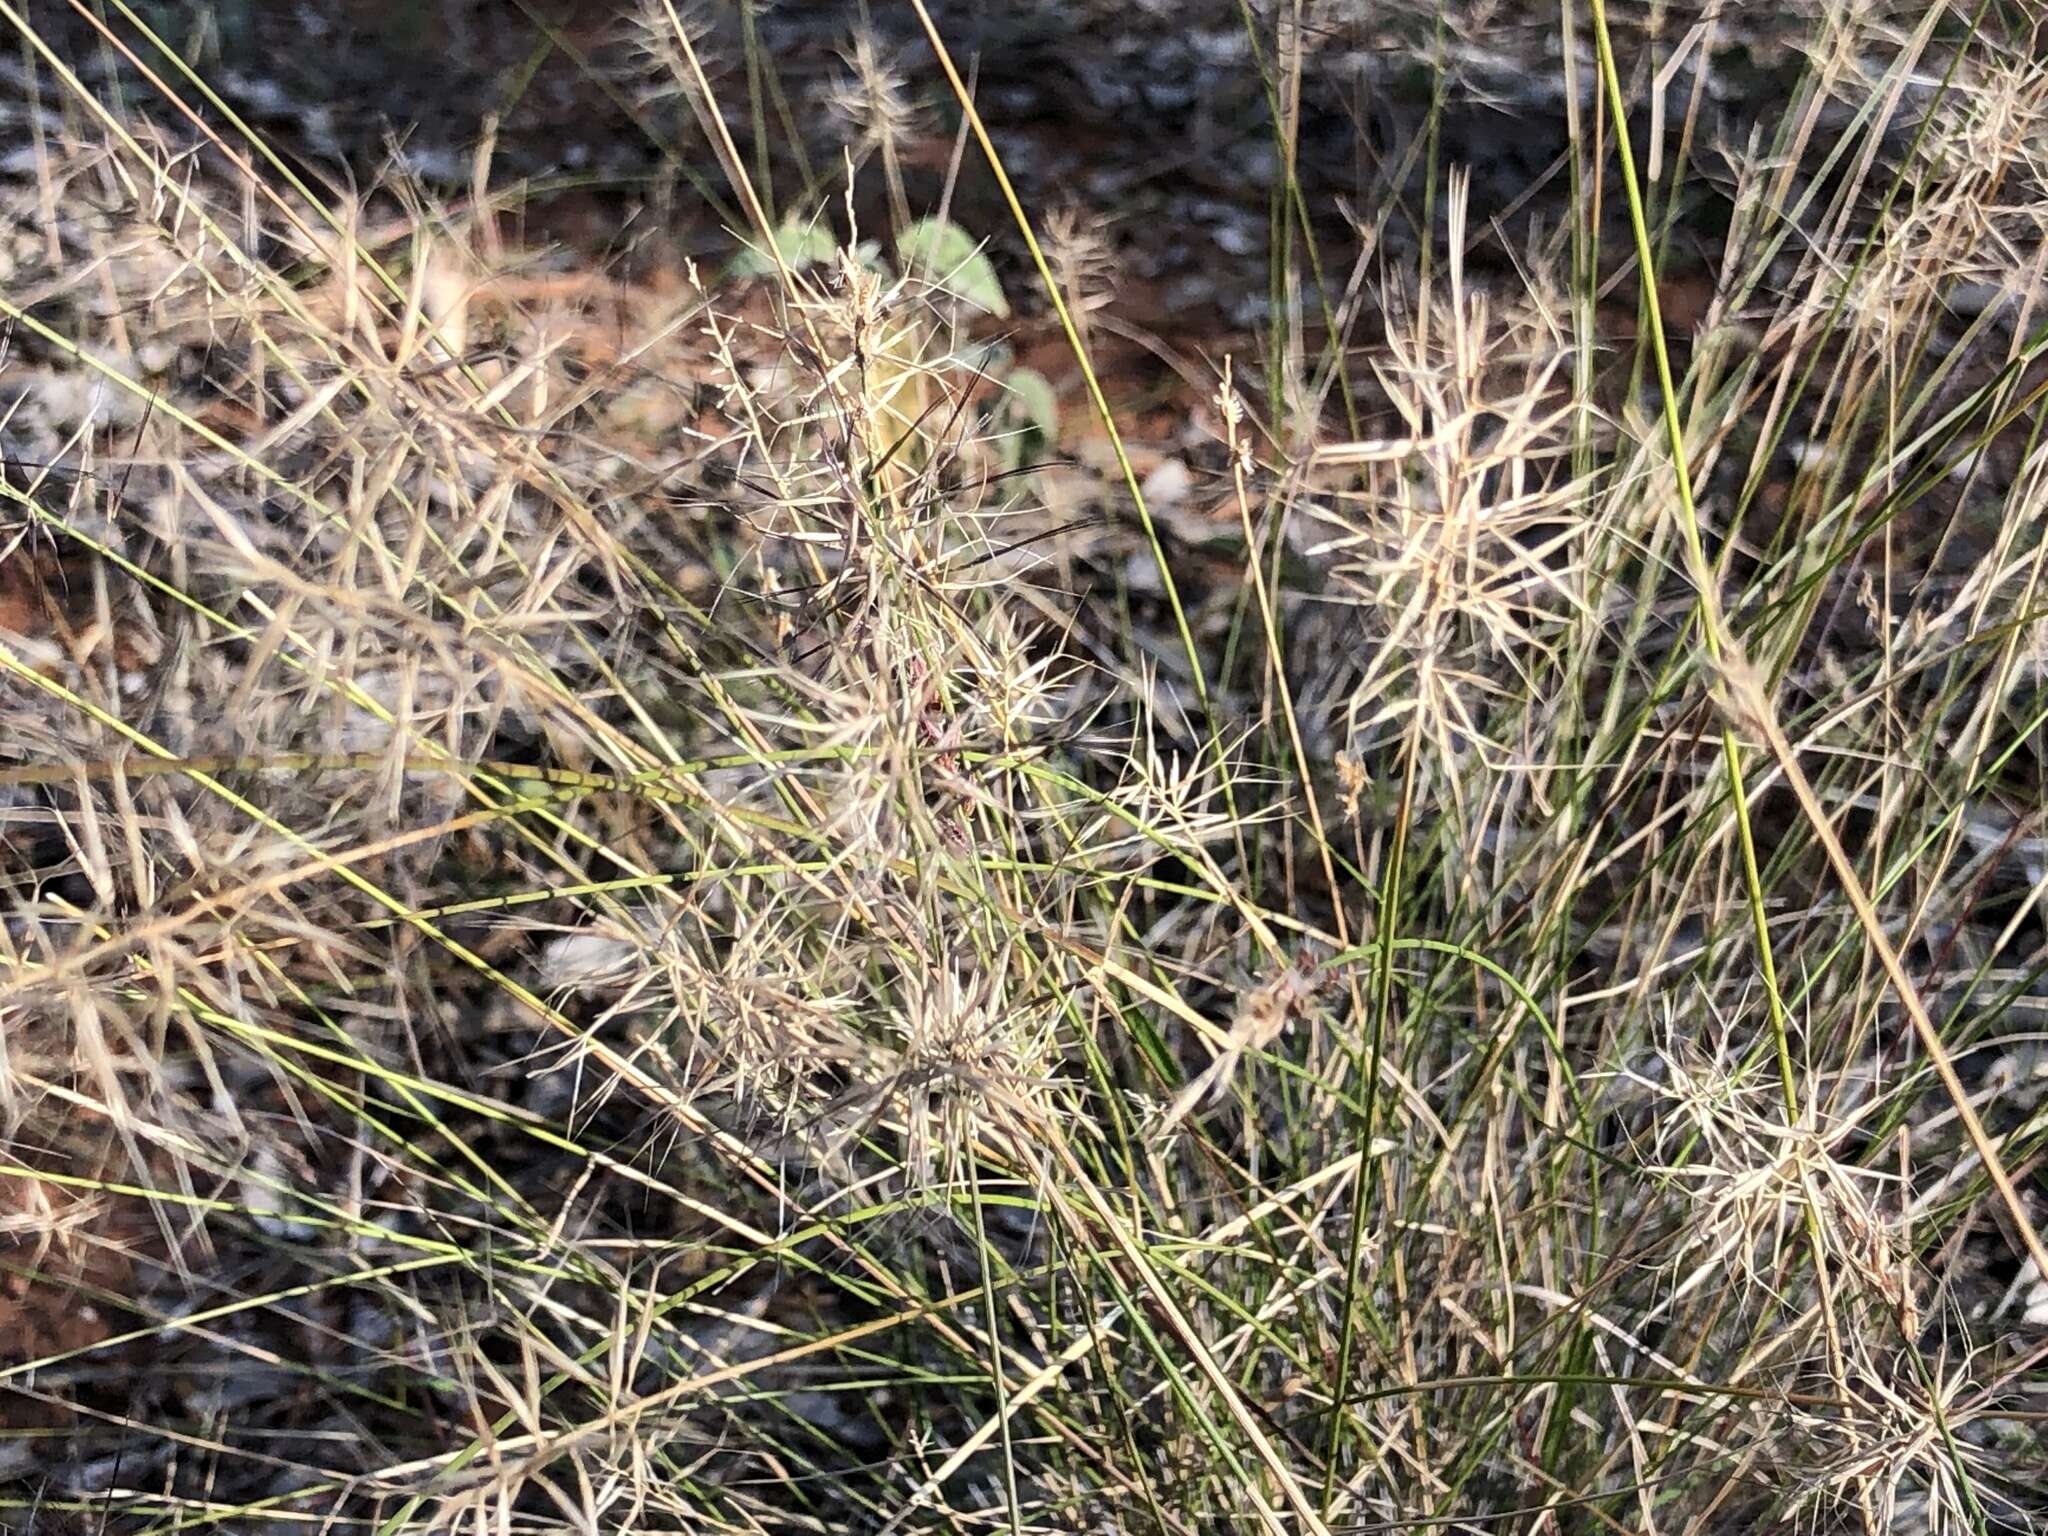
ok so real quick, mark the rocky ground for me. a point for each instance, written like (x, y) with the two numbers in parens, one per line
(1149, 123)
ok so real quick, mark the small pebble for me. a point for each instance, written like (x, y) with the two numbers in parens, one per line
(1168, 485)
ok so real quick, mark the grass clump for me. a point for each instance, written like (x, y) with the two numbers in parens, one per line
(718, 898)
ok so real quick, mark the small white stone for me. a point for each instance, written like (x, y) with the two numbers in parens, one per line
(585, 959)
(155, 356)
(265, 1198)
(1168, 485)
(1237, 239)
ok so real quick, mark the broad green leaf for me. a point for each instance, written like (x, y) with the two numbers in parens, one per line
(944, 253)
(1033, 404)
(803, 243)
(992, 359)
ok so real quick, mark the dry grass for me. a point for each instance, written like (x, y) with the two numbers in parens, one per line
(616, 919)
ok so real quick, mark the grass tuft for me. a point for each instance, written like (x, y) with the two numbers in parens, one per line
(833, 881)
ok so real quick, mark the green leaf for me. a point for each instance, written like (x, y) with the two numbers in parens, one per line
(1033, 405)
(803, 243)
(992, 359)
(943, 253)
